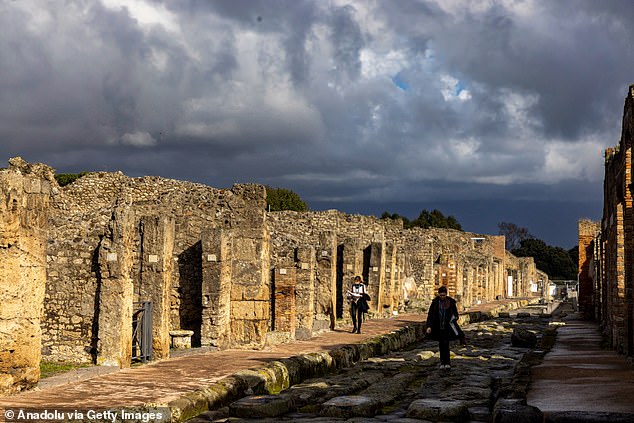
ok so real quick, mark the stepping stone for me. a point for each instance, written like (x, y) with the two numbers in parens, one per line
(350, 406)
(438, 410)
(258, 406)
(514, 410)
(523, 338)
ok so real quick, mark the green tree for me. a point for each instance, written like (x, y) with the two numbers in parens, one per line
(395, 216)
(278, 199)
(436, 219)
(64, 179)
(555, 261)
(427, 219)
(574, 256)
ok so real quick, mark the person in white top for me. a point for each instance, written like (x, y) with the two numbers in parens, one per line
(358, 304)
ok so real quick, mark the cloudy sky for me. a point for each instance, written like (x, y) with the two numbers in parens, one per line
(489, 110)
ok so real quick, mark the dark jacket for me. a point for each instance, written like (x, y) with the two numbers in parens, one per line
(451, 328)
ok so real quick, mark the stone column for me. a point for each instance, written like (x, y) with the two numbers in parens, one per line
(399, 276)
(250, 288)
(390, 296)
(305, 292)
(351, 265)
(157, 246)
(24, 202)
(216, 287)
(326, 281)
(587, 233)
(116, 291)
(376, 277)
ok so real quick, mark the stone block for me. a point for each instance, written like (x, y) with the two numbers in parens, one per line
(181, 339)
(516, 411)
(523, 338)
(346, 407)
(436, 410)
(261, 406)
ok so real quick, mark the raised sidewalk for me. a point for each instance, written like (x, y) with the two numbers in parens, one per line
(581, 381)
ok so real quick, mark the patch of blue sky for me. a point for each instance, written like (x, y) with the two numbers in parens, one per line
(458, 88)
(400, 83)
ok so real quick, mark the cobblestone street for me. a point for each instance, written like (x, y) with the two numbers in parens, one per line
(406, 385)
(525, 365)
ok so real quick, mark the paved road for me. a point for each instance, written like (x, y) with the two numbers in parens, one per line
(403, 386)
(602, 379)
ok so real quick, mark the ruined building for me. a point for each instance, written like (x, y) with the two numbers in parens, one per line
(107, 269)
(606, 261)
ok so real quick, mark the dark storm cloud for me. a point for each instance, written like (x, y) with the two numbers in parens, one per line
(346, 102)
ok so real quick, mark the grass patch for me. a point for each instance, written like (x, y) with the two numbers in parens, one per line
(52, 368)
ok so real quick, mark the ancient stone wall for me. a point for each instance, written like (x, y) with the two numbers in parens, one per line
(214, 262)
(81, 215)
(588, 231)
(402, 268)
(24, 200)
(613, 249)
(329, 249)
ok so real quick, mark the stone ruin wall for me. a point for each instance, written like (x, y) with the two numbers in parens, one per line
(181, 211)
(24, 201)
(328, 249)
(409, 265)
(613, 280)
(214, 262)
(470, 265)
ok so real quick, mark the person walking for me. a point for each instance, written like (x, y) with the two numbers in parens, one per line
(442, 325)
(357, 296)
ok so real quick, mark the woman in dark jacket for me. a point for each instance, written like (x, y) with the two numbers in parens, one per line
(357, 296)
(442, 325)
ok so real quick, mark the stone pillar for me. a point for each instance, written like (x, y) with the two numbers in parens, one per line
(157, 247)
(216, 287)
(628, 229)
(587, 232)
(305, 292)
(351, 267)
(390, 296)
(399, 276)
(24, 202)
(452, 283)
(116, 291)
(250, 288)
(376, 277)
(326, 281)
(285, 316)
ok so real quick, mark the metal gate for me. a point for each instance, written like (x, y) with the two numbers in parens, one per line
(142, 331)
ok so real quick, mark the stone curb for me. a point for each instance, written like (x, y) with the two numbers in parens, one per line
(281, 374)
(587, 417)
